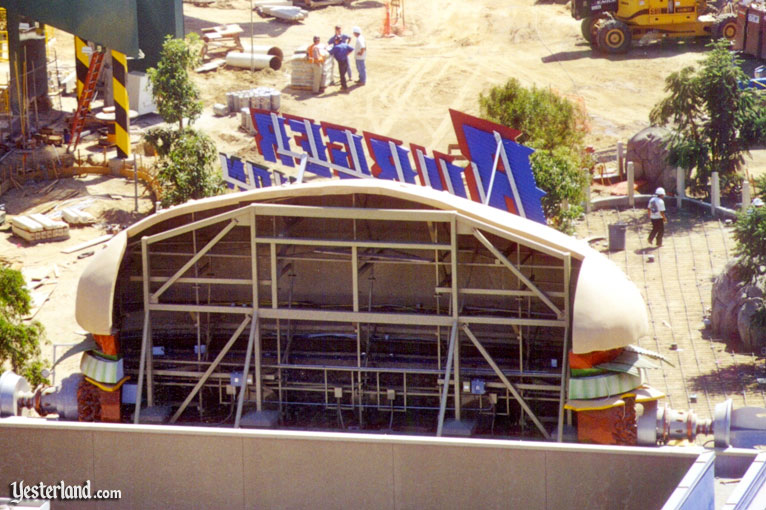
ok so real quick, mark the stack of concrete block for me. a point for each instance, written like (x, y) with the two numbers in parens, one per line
(302, 72)
(38, 227)
(264, 98)
(76, 217)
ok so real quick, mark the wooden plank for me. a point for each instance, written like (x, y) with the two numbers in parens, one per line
(88, 244)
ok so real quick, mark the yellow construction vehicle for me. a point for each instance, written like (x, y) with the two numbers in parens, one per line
(612, 25)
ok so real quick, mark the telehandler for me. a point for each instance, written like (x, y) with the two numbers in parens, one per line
(611, 25)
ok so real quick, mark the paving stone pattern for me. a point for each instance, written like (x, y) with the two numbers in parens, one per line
(677, 289)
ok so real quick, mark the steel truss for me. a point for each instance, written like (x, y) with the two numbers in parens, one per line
(489, 291)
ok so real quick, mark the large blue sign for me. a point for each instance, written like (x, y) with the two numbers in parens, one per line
(498, 172)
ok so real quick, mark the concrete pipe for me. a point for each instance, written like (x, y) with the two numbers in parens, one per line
(258, 61)
(262, 50)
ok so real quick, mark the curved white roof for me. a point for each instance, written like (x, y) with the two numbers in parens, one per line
(608, 311)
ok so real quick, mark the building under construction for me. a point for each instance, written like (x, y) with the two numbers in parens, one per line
(349, 305)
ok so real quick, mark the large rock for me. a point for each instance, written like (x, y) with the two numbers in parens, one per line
(734, 304)
(648, 150)
(727, 298)
(753, 337)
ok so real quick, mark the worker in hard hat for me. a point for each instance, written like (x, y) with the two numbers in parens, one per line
(315, 56)
(656, 209)
(360, 55)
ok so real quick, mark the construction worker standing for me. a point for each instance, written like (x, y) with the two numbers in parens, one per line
(316, 58)
(656, 209)
(360, 55)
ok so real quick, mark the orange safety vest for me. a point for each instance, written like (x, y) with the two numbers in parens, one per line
(311, 58)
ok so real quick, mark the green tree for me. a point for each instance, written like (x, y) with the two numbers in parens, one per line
(187, 165)
(174, 92)
(715, 121)
(19, 342)
(750, 237)
(555, 127)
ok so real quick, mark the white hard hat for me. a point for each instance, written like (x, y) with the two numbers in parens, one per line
(757, 202)
(660, 191)
(357, 30)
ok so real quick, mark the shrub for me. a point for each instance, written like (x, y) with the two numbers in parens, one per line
(556, 127)
(19, 342)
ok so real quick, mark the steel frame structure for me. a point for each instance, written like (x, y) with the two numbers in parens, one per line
(524, 288)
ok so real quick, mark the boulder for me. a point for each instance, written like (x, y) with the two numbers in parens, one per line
(727, 297)
(753, 337)
(648, 150)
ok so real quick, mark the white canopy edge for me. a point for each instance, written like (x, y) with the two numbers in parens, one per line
(95, 290)
(609, 311)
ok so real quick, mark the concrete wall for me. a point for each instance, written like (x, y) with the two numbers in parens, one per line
(195, 467)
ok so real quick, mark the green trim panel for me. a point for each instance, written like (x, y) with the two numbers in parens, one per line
(111, 23)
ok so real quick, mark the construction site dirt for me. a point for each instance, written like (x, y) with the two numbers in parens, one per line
(447, 55)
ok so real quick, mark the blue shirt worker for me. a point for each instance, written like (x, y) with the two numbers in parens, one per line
(360, 54)
(340, 53)
(656, 209)
(337, 38)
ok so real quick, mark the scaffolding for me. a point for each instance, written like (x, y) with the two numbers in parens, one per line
(351, 309)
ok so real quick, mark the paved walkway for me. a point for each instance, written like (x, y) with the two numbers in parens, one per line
(677, 289)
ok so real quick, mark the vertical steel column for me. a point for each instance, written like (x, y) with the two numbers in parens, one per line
(254, 287)
(445, 389)
(121, 103)
(455, 313)
(147, 328)
(246, 370)
(565, 348)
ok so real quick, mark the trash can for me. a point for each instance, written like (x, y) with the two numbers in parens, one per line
(617, 236)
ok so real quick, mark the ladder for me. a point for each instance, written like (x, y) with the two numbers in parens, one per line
(88, 91)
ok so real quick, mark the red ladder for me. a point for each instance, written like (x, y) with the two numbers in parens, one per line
(88, 91)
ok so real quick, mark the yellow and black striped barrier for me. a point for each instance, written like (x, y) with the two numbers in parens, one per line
(82, 62)
(121, 104)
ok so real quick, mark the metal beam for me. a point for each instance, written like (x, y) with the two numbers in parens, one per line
(307, 211)
(507, 263)
(146, 330)
(506, 382)
(201, 253)
(210, 369)
(218, 218)
(245, 371)
(447, 369)
(364, 317)
(564, 351)
(298, 241)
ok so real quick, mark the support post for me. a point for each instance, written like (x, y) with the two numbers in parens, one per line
(620, 159)
(680, 187)
(447, 369)
(715, 193)
(246, 370)
(746, 198)
(147, 328)
(82, 62)
(564, 351)
(588, 205)
(121, 104)
(631, 185)
(210, 369)
(505, 381)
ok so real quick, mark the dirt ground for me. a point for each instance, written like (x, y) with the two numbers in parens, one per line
(450, 52)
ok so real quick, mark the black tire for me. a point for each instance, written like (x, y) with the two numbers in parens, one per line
(725, 26)
(614, 37)
(589, 29)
